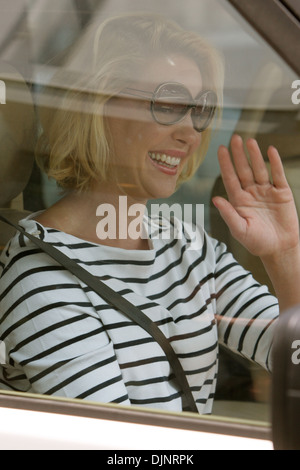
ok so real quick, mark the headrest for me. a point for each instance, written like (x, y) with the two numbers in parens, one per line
(16, 133)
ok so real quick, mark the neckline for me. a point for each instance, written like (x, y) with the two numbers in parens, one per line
(48, 231)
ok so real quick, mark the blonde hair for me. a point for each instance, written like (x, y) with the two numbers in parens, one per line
(74, 148)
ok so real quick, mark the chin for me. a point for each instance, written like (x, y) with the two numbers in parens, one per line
(163, 193)
(149, 191)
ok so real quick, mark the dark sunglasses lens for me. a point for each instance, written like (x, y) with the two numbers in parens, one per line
(171, 103)
(204, 111)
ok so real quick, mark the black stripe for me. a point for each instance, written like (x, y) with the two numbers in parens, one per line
(179, 282)
(29, 273)
(115, 262)
(47, 371)
(101, 386)
(227, 268)
(166, 247)
(154, 380)
(170, 266)
(74, 246)
(203, 401)
(41, 311)
(80, 374)
(23, 254)
(63, 345)
(200, 352)
(201, 370)
(199, 312)
(120, 399)
(115, 326)
(49, 329)
(259, 338)
(39, 290)
(15, 378)
(248, 326)
(193, 293)
(179, 261)
(233, 301)
(238, 313)
(137, 342)
(142, 362)
(13, 389)
(150, 401)
(223, 253)
(192, 334)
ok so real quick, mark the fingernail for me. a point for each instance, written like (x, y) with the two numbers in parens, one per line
(215, 203)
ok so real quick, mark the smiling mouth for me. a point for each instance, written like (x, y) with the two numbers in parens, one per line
(165, 160)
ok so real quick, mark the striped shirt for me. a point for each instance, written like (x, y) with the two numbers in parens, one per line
(60, 338)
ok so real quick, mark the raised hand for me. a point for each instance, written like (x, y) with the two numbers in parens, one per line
(260, 212)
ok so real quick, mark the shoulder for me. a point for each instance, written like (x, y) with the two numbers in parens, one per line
(24, 266)
(20, 250)
(31, 282)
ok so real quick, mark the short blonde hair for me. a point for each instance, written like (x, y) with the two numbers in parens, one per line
(74, 148)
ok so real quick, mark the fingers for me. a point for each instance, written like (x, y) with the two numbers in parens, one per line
(241, 162)
(237, 173)
(249, 172)
(236, 224)
(229, 176)
(277, 170)
(259, 169)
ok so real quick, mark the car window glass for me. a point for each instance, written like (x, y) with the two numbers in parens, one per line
(41, 42)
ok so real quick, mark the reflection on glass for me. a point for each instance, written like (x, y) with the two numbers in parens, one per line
(111, 156)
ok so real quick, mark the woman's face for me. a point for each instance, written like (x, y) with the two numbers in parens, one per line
(137, 138)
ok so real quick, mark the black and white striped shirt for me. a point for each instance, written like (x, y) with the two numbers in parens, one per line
(63, 339)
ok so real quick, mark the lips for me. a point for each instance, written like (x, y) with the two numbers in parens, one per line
(165, 160)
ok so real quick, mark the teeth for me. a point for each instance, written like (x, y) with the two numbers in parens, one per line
(170, 161)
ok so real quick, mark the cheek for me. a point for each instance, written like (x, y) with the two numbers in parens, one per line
(141, 137)
(133, 137)
(120, 135)
(198, 141)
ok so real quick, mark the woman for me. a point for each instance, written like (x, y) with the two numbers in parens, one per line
(138, 139)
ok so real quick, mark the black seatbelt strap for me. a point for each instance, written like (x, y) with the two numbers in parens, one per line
(122, 304)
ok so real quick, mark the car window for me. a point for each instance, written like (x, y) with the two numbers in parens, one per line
(45, 47)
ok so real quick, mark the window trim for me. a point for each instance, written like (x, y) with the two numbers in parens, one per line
(186, 421)
(293, 6)
(277, 24)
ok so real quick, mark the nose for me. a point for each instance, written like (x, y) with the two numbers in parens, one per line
(184, 131)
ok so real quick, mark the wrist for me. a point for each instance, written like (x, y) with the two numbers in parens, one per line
(284, 272)
(285, 259)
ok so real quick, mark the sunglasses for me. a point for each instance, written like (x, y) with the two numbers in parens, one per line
(170, 102)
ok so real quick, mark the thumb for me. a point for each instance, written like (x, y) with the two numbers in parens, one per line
(235, 223)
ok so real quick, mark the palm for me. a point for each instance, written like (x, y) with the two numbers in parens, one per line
(261, 215)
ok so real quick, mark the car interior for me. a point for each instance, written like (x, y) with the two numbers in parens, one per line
(245, 392)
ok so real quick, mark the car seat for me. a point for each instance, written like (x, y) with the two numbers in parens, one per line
(17, 141)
